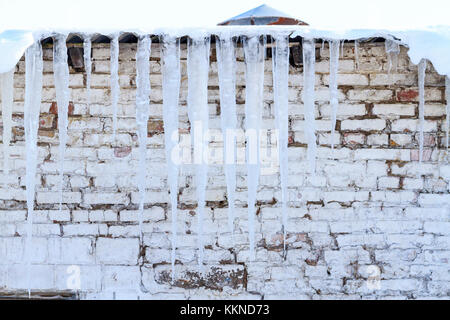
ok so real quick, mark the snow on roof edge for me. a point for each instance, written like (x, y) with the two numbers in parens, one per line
(432, 44)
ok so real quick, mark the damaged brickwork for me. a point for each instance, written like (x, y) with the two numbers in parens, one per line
(371, 212)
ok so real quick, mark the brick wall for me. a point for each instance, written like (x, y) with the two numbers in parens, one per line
(371, 209)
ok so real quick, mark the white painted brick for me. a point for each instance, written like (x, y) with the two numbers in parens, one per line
(117, 251)
(365, 125)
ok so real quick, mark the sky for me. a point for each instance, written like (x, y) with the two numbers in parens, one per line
(148, 14)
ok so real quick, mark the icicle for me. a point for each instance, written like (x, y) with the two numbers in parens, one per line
(198, 69)
(7, 87)
(422, 69)
(142, 116)
(342, 49)
(334, 101)
(309, 60)
(171, 91)
(357, 54)
(33, 94)
(87, 48)
(392, 51)
(61, 75)
(447, 109)
(254, 95)
(115, 88)
(322, 48)
(226, 62)
(280, 60)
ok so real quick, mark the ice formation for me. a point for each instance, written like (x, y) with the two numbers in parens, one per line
(392, 51)
(309, 61)
(198, 70)
(447, 111)
(115, 88)
(226, 64)
(171, 91)
(357, 54)
(7, 93)
(61, 75)
(422, 69)
(254, 79)
(33, 94)
(87, 48)
(142, 116)
(280, 60)
(334, 101)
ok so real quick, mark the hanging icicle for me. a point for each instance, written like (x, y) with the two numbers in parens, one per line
(87, 48)
(7, 87)
(61, 75)
(392, 51)
(254, 79)
(447, 111)
(226, 62)
(342, 48)
(142, 116)
(357, 55)
(309, 60)
(198, 69)
(115, 87)
(322, 48)
(171, 91)
(422, 69)
(280, 60)
(334, 101)
(33, 94)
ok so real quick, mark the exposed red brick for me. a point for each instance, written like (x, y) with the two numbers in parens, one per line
(407, 95)
(54, 108)
(426, 155)
(122, 152)
(46, 121)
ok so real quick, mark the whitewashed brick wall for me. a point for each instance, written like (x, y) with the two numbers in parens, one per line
(371, 203)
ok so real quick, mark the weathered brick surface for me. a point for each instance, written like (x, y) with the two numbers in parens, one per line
(371, 203)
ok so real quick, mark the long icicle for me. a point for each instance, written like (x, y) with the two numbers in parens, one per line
(142, 115)
(226, 62)
(87, 48)
(357, 55)
(7, 87)
(61, 75)
(447, 111)
(422, 69)
(309, 60)
(198, 69)
(171, 93)
(254, 79)
(33, 94)
(280, 60)
(334, 101)
(392, 51)
(115, 87)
